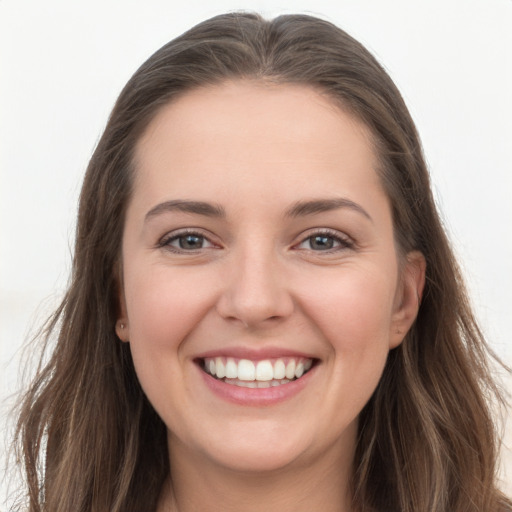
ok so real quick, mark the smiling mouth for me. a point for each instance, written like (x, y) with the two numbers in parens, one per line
(256, 374)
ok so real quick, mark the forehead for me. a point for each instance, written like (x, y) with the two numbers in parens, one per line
(255, 134)
(242, 104)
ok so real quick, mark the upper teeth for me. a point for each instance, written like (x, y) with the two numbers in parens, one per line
(264, 370)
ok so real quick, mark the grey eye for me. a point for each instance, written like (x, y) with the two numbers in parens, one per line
(325, 241)
(189, 242)
(321, 242)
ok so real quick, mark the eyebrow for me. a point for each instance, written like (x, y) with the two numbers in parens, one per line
(181, 205)
(299, 209)
(303, 208)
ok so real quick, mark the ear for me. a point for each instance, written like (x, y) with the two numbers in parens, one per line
(408, 299)
(122, 326)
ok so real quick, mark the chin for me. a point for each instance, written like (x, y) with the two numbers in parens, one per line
(262, 448)
(255, 459)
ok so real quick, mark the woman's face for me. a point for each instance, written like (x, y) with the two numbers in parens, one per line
(258, 248)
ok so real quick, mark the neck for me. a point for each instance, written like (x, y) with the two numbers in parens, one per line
(200, 484)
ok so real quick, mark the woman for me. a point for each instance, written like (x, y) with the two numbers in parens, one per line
(264, 312)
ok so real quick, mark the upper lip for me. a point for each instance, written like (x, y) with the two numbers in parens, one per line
(254, 354)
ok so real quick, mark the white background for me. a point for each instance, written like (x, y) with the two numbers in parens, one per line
(63, 64)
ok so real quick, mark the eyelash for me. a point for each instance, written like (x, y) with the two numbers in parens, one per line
(343, 242)
(165, 242)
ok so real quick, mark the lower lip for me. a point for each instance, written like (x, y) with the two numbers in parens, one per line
(256, 396)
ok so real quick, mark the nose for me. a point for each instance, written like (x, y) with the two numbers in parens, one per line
(255, 291)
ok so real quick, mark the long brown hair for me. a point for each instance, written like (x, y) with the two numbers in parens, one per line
(87, 436)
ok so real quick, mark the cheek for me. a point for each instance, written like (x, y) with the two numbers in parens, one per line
(355, 320)
(354, 308)
(163, 306)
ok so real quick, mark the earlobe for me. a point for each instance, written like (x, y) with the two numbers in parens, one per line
(122, 329)
(412, 282)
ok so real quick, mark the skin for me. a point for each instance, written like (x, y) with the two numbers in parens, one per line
(257, 280)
